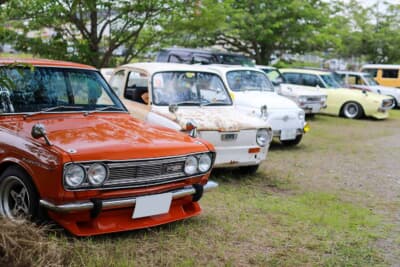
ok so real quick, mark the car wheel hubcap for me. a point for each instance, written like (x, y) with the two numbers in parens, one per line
(351, 110)
(14, 198)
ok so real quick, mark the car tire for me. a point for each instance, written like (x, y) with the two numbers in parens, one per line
(18, 196)
(396, 104)
(249, 169)
(293, 142)
(352, 110)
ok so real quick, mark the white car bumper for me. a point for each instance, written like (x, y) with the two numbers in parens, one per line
(286, 126)
(241, 149)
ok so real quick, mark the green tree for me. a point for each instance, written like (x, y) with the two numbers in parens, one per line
(260, 28)
(88, 31)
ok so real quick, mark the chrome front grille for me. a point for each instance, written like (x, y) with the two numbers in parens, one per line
(313, 99)
(144, 173)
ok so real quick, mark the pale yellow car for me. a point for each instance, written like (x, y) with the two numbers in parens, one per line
(349, 103)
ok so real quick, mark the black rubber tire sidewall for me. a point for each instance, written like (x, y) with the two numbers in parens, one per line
(26, 179)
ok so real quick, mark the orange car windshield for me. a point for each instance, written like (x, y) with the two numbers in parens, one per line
(44, 89)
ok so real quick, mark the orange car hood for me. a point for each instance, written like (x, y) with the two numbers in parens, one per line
(108, 137)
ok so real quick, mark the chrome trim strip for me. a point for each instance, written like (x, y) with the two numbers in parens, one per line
(138, 160)
(119, 202)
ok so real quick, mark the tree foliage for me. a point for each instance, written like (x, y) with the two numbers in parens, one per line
(89, 31)
(95, 31)
(260, 28)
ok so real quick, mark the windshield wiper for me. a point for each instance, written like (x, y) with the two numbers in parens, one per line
(215, 104)
(62, 108)
(185, 103)
(55, 108)
(106, 108)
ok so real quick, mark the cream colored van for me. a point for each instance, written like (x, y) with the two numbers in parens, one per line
(387, 75)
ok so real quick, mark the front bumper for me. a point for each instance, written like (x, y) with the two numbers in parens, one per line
(118, 202)
(312, 108)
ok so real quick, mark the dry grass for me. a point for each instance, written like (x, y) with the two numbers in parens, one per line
(25, 244)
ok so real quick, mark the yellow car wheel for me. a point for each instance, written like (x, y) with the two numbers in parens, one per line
(352, 110)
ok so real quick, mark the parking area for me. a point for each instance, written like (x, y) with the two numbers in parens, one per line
(332, 200)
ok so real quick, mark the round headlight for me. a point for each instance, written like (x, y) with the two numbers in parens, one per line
(74, 175)
(96, 174)
(262, 137)
(204, 162)
(303, 99)
(302, 115)
(191, 165)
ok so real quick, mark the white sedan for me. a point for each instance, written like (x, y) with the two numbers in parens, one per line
(254, 94)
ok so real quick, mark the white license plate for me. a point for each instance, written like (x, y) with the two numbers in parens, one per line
(288, 134)
(152, 205)
(315, 108)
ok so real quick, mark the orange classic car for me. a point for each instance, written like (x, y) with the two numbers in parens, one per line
(70, 150)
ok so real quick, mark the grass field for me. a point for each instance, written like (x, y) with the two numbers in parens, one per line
(331, 201)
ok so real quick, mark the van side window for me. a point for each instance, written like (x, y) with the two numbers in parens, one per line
(136, 86)
(390, 73)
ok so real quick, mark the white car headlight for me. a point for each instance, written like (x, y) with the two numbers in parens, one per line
(302, 99)
(96, 174)
(262, 137)
(204, 162)
(191, 165)
(74, 175)
(302, 115)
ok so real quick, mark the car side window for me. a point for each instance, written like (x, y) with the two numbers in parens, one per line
(293, 78)
(310, 80)
(373, 72)
(352, 79)
(390, 73)
(117, 81)
(137, 87)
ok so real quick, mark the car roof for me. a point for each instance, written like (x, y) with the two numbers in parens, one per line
(197, 50)
(352, 72)
(266, 67)
(222, 68)
(44, 63)
(309, 71)
(153, 67)
(380, 66)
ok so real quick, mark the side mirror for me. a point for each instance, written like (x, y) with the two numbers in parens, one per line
(192, 128)
(173, 108)
(39, 131)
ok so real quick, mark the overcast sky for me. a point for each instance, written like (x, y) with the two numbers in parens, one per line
(371, 2)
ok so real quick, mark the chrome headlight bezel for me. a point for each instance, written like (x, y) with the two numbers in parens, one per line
(69, 176)
(91, 176)
(191, 165)
(86, 179)
(303, 98)
(262, 137)
(205, 163)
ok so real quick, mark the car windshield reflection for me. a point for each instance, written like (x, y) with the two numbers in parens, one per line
(42, 90)
(248, 80)
(330, 81)
(189, 89)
